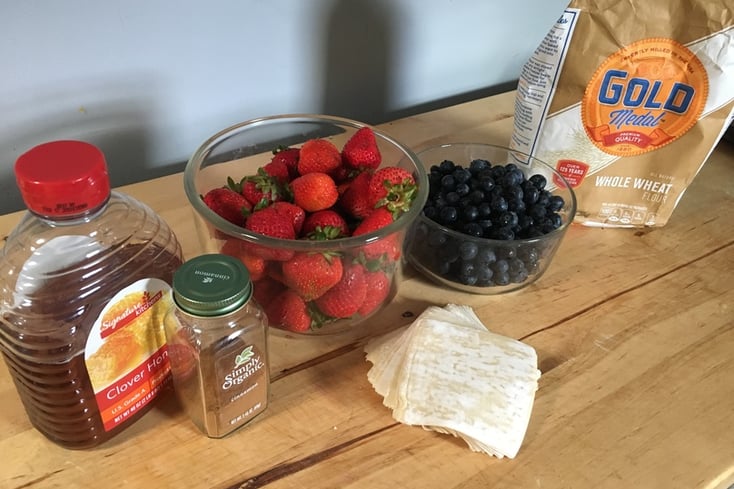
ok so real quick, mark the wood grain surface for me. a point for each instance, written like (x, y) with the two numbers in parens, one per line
(633, 329)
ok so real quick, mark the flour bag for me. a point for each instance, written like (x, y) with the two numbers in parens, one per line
(627, 99)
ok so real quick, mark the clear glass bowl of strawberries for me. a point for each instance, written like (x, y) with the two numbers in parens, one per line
(316, 207)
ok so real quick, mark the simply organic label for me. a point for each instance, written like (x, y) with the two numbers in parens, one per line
(644, 96)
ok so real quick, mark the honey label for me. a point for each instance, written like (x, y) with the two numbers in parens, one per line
(644, 96)
(126, 354)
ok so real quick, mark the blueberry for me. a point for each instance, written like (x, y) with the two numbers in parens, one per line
(448, 183)
(470, 213)
(486, 226)
(449, 253)
(504, 233)
(452, 198)
(500, 266)
(473, 229)
(556, 220)
(544, 198)
(531, 195)
(448, 214)
(461, 175)
(519, 277)
(484, 275)
(507, 253)
(524, 221)
(477, 165)
(468, 250)
(514, 192)
(463, 189)
(447, 166)
(430, 212)
(437, 239)
(529, 256)
(484, 209)
(556, 203)
(515, 265)
(485, 256)
(501, 278)
(538, 180)
(517, 206)
(508, 218)
(476, 196)
(467, 270)
(497, 172)
(498, 204)
(486, 183)
(537, 212)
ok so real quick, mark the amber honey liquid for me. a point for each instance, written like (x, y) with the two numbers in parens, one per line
(43, 340)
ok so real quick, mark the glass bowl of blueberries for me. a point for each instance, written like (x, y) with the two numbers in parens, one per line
(493, 220)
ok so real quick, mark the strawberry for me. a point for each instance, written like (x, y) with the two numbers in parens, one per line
(377, 219)
(228, 204)
(347, 296)
(294, 213)
(386, 248)
(392, 187)
(288, 310)
(288, 156)
(314, 191)
(261, 189)
(361, 150)
(278, 170)
(325, 224)
(312, 274)
(239, 249)
(355, 198)
(318, 156)
(270, 222)
(342, 174)
(265, 290)
(378, 285)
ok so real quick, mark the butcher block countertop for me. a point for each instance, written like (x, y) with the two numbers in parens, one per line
(634, 330)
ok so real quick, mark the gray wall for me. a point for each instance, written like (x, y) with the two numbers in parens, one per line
(149, 80)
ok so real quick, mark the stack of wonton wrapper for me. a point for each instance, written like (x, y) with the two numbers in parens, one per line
(447, 373)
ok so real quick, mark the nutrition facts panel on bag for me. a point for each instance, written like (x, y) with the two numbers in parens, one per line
(538, 81)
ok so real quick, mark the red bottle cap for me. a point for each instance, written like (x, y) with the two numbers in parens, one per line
(63, 178)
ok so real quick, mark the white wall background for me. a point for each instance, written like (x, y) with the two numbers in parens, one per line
(148, 80)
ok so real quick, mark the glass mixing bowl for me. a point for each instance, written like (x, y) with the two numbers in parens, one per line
(239, 151)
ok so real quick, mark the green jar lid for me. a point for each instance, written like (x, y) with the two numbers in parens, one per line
(211, 285)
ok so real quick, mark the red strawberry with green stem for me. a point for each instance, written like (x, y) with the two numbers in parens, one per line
(296, 215)
(288, 310)
(289, 157)
(361, 150)
(385, 248)
(355, 199)
(228, 204)
(324, 225)
(378, 284)
(314, 191)
(312, 274)
(269, 222)
(394, 188)
(346, 297)
(261, 189)
(318, 156)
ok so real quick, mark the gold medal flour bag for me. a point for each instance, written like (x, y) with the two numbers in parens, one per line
(627, 99)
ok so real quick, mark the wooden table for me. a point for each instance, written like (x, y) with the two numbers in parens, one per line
(634, 334)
